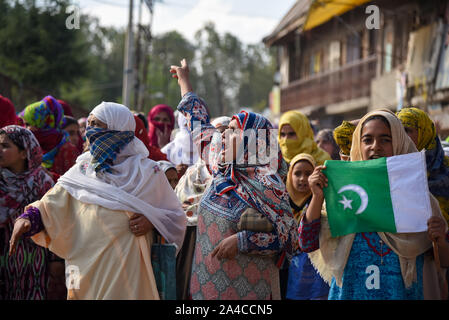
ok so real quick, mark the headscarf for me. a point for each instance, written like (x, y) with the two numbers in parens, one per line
(343, 136)
(153, 125)
(297, 197)
(141, 133)
(257, 185)
(8, 113)
(304, 143)
(17, 190)
(47, 116)
(330, 259)
(327, 136)
(66, 107)
(181, 150)
(134, 183)
(437, 162)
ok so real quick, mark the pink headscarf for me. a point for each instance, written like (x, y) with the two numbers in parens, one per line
(152, 125)
(7, 111)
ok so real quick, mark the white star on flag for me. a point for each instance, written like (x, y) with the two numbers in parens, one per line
(346, 203)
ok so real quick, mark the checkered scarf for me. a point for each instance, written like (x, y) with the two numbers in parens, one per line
(105, 145)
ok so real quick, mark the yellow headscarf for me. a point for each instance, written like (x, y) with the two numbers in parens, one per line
(343, 136)
(298, 197)
(331, 258)
(418, 119)
(304, 143)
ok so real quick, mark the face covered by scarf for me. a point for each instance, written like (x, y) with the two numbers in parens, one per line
(19, 190)
(162, 127)
(304, 142)
(260, 186)
(437, 162)
(47, 118)
(104, 145)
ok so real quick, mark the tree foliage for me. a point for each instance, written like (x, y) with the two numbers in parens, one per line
(85, 66)
(37, 49)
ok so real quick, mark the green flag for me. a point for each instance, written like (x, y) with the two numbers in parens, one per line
(380, 195)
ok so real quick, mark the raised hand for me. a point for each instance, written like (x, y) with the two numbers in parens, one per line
(182, 74)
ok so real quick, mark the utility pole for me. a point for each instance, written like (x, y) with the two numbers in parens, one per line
(146, 61)
(137, 82)
(128, 74)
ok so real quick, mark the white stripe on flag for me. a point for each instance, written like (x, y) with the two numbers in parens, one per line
(409, 191)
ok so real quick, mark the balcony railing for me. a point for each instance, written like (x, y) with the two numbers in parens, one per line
(349, 82)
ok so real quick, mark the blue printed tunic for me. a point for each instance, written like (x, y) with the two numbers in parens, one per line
(372, 272)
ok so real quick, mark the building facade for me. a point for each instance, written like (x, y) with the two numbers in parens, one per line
(337, 63)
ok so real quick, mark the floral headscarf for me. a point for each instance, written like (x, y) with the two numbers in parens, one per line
(437, 162)
(258, 186)
(19, 190)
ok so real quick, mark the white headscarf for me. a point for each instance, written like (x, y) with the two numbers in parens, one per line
(181, 150)
(135, 183)
(221, 121)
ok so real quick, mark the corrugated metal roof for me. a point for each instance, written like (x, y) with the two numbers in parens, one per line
(294, 19)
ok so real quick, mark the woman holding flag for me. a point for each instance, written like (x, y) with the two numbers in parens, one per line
(373, 265)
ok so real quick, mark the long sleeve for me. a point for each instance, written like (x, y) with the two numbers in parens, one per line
(34, 216)
(195, 111)
(309, 235)
(258, 242)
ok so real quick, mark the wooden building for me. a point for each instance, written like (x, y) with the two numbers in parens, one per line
(336, 64)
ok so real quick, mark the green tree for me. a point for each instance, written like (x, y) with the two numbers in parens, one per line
(257, 77)
(220, 63)
(103, 81)
(167, 49)
(37, 49)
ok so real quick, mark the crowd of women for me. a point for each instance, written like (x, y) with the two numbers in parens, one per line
(96, 192)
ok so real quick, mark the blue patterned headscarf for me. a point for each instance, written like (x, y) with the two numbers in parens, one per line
(105, 145)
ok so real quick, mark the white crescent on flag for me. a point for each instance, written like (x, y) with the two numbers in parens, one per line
(361, 192)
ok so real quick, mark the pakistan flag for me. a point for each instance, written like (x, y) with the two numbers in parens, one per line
(381, 195)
